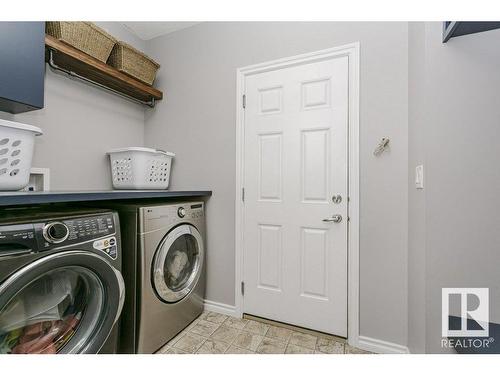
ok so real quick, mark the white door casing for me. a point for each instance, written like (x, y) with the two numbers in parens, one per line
(293, 154)
(352, 53)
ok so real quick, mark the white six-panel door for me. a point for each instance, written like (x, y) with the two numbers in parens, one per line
(295, 161)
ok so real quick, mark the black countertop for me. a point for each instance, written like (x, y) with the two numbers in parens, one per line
(29, 198)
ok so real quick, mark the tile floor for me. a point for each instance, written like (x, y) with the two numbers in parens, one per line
(214, 333)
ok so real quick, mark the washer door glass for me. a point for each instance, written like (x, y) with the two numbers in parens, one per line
(60, 310)
(178, 263)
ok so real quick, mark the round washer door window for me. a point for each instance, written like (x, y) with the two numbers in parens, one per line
(62, 303)
(178, 263)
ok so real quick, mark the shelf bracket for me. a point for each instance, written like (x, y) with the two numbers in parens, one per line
(72, 74)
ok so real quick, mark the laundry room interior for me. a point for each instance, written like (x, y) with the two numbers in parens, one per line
(248, 187)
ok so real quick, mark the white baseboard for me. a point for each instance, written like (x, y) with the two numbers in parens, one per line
(380, 346)
(221, 308)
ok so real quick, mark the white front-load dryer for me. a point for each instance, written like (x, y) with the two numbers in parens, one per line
(171, 271)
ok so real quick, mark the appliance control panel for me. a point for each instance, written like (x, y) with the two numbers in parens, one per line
(17, 239)
(75, 230)
(191, 211)
(156, 217)
(90, 227)
(108, 246)
(195, 210)
(40, 236)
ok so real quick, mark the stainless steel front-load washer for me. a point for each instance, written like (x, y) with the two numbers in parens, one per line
(164, 270)
(61, 290)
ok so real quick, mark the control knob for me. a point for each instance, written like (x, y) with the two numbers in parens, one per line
(181, 212)
(55, 232)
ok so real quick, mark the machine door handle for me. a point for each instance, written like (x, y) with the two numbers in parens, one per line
(333, 219)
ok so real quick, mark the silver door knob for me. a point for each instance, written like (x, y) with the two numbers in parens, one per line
(333, 219)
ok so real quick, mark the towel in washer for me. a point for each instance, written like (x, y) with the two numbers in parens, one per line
(178, 266)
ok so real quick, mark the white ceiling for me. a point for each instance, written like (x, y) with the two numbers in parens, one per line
(150, 30)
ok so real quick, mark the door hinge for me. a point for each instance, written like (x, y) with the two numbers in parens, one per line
(244, 101)
(242, 288)
(243, 194)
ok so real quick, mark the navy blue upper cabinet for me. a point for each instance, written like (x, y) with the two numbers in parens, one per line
(22, 66)
(452, 29)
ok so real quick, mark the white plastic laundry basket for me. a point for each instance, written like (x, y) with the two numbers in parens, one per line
(17, 142)
(140, 168)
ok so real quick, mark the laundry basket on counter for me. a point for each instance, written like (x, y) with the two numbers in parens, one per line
(17, 142)
(138, 168)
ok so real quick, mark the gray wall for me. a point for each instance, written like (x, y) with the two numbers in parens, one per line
(197, 122)
(462, 137)
(416, 198)
(122, 33)
(80, 124)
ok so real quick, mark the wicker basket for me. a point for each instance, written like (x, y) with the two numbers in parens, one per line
(128, 60)
(84, 36)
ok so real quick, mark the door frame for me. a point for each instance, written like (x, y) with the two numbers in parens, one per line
(352, 52)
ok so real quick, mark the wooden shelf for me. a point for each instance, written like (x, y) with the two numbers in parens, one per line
(75, 61)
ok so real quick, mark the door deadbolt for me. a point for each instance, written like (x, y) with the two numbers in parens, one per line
(337, 199)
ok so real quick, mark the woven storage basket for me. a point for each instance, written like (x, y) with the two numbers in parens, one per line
(84, 36)
(128, 60)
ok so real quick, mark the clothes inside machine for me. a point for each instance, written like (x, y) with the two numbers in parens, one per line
(61, 289)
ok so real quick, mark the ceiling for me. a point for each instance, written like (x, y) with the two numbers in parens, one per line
(150, 30)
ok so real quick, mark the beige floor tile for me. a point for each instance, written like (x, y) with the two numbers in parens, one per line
(352, 350)
(203, 314)
(303, 339)
(225, 334)
(193, 323)
(236, 323)
(279, 333)
(215, 317)
(248, 341)
(214, 333)
(176, 338)
(294, 349)
(334, 338)
(163, 349)
(235, 350)
(257, 328)
(271, 346)
(170, 350)
(329, 346)
(204, 328)
(213, 347)
(189, 342)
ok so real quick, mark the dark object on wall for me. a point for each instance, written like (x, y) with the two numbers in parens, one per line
(453, 29)
(22, 66)
(475, 345)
